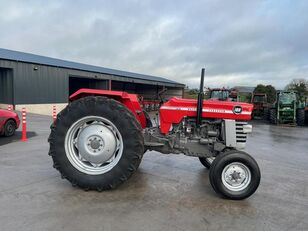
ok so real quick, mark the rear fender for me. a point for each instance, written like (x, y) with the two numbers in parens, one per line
(129, 100)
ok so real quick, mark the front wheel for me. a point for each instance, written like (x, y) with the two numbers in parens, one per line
(9, 128)
(235, 175)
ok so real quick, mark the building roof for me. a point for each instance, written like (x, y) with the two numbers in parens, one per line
(245, 89)
(38, 59)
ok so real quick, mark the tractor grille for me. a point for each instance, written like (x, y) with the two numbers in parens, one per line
(240, 135)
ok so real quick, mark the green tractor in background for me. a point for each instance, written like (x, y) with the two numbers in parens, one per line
(289, 108)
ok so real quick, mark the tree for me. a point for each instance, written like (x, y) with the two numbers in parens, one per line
(269, 90)
(260, 88)
(271, 93)
(191, 93)
(298, 85)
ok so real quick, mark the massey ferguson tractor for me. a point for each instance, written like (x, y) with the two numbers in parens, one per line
(98, 140)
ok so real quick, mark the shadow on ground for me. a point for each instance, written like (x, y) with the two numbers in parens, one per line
(15, 138)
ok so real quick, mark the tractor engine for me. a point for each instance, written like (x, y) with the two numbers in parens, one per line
(206, 140)
(191, 139)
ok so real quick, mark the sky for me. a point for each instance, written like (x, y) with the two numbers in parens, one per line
(238, 42)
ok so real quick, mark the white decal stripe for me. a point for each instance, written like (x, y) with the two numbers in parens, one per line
(179, 108)
(203, 110)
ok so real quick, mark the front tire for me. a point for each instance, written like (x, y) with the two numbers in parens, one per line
(235, 175)
(9, 128)
(96, 143)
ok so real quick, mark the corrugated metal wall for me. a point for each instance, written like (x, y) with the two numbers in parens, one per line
(37, 84)
(41, 84)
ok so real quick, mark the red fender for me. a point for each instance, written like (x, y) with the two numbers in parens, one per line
(129, 100)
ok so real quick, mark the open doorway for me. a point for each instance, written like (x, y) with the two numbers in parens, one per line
(76, 83)
(6, 86)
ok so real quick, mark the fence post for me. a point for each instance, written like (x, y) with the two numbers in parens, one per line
(54, 113)
(24, 125)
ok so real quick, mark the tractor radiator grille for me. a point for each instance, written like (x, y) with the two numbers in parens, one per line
(240, 135)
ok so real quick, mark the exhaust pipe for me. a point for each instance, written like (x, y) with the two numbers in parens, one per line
(200, 99)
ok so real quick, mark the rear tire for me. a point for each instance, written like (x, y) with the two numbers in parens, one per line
(300, 117)
(206, 162)
(266, 114)
(117, 126)
(9, 128)
(273, 116)
(235, 175)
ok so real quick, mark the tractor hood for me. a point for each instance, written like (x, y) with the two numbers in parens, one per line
(176, 109)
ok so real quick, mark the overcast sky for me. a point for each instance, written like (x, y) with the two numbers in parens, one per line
(239, 42)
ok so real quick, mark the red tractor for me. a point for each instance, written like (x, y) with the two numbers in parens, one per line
(260, 106)
(98, 140)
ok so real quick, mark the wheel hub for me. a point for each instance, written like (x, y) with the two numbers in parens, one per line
(236, 176)
(96, 143)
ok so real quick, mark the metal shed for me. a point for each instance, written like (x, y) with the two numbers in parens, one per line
(39, 82)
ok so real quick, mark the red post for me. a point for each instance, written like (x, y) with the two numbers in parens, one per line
(24, 125)
(54, 113)
(9, 107)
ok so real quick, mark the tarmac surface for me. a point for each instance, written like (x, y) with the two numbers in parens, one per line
(168, 192)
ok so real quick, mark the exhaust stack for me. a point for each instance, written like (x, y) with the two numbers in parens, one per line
(200, 99)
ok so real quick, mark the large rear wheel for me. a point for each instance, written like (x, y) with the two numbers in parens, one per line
(235, 175)
(96, 143)
(300, 117)
(273, 116)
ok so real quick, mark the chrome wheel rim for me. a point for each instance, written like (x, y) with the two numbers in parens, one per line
(93, 145)
(236, 176)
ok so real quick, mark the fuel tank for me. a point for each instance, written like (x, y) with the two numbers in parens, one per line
(173, 111)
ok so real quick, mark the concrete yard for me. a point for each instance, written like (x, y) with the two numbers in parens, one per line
(168, 192)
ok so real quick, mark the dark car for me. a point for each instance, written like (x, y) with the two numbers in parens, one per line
(9, 122)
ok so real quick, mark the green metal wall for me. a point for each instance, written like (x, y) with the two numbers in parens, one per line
(42, 84)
